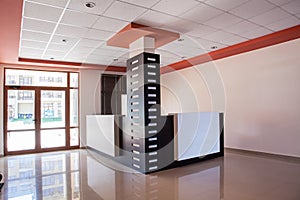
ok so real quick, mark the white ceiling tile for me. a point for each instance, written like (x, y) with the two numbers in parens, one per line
(82, 49)
(105, 52)
(252, 8)
(143, 3)
(179, 25)
(59, 47)
(234, 40)
(53, 57)
(31, 35)
(201, 13)
(29, 55)
(89, 43)
(175, 7)
(206, 44)
(270, 16)
(201, 30)
(283, 24)
(279, 2)
(109, 24)
(33, 44)
(241, 27)
(37, 25)
(165, 54)
(154, 19)
(58, 39)
(101, 6)
(98, 34)
(77, 18)
(218, 36)
(58, 3)
(78, 54)
(25, 50)
(256, 33)
(74, 59)
(292, 7)
(124, 11)
(42, 12)
(55, 53)
(223, 21)
(70, 31)
(225, 5)
(186, 40)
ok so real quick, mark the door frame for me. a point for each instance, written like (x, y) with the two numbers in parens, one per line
(37, 114)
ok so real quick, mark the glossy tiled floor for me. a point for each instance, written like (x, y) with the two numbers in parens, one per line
(80, 175)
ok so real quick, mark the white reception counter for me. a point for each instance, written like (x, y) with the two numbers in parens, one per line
(195, 134)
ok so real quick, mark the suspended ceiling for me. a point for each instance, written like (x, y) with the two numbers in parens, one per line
(66, 30)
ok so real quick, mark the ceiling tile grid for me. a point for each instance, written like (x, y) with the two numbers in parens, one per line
(67, 30)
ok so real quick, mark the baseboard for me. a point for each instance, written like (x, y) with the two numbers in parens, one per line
(285, 158)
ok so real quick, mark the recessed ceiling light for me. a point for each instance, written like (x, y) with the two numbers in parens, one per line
(115, 59)
(183, 57)
(180, 40)
(64, 40)
(90, 4)
(214, 47)
(51, 58)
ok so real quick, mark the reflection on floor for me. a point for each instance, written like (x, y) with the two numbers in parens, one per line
(82, 174)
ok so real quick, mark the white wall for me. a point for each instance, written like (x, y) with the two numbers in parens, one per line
(260, 97)
(90, 98)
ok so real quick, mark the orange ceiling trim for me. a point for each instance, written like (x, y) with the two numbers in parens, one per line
(257, 43)
(51, 62)
(133, 31)
(71, 64)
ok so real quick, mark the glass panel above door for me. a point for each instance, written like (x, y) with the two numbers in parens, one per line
(35, 78)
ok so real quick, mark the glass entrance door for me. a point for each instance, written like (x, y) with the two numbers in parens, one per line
(41, 111)
(53, 122)
(21, 120)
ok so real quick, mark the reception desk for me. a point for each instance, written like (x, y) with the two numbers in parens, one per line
(189, 136)
(103, 133)
(196, 134)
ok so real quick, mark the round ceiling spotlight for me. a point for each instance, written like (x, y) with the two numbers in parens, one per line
(180, 40)
(214, 47)
(183, 57)
(90, 4)
(115, 59)
(64, 40)
(51, 58)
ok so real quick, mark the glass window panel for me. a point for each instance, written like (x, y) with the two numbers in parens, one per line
(35, 78)
(74, 107)
(73, 79)
(20, 109)
(52, 109)
(20, 140)
(74, 137)
(53, 138)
